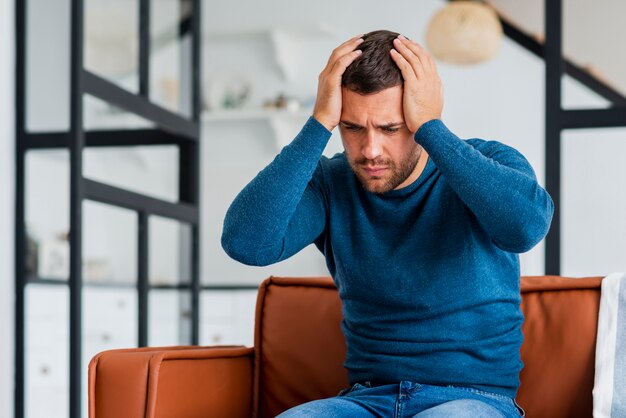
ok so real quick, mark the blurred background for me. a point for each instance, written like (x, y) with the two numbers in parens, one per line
(258, 77)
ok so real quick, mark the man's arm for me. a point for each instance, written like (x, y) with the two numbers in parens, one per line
(496, 183)
(499, 187)
(282, 209)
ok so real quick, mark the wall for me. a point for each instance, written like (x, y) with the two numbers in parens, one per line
(7, 177)
(586, 25)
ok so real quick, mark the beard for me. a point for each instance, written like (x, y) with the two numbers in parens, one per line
(394, 175)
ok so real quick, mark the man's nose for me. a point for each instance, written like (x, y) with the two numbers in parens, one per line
(372, 146)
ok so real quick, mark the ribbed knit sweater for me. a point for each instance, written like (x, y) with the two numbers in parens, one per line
(428, 274)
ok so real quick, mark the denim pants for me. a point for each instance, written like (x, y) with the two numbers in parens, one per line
(409, 400)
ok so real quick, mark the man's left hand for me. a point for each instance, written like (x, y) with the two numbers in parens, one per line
(423, 91)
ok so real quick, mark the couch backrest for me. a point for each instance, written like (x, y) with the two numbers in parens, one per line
(300, 348)
(560, 327)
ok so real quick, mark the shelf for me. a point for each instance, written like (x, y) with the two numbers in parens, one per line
(281, 121)
(253, 114)
(285, 42)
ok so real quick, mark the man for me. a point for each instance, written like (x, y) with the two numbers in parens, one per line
(420, 231)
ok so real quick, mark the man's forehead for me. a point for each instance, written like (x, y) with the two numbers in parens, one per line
(378, 109)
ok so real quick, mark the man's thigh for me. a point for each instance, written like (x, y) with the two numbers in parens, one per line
(332, 408)
(358, 401)
(461, 408)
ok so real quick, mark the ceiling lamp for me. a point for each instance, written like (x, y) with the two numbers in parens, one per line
(464, 32)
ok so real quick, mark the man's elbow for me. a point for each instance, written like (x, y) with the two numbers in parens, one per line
(542, 221)
(531, 230)
(242, 248)
(238, 248)
(522, 242)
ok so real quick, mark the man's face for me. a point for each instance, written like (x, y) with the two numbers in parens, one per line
(379, 146)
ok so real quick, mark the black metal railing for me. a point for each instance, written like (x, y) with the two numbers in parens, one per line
(170, 128)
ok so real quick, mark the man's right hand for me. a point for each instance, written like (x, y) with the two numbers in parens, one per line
(328, 104)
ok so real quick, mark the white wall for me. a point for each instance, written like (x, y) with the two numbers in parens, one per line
(7, 177)
(586, 26)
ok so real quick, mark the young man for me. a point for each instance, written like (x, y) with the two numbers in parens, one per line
(420, 231)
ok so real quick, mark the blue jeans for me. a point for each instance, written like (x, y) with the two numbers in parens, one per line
(409, 400)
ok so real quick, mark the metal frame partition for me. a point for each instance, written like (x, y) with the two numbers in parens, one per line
(171, 128)
(558, 119)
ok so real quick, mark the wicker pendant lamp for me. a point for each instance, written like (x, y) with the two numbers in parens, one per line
(464, 32)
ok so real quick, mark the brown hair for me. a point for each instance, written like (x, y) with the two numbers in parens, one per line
(374, 70)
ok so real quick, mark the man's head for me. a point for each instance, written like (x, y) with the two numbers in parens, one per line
(374, 70)
(379, 146)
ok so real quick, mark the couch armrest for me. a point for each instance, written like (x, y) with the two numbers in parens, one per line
(171, 381)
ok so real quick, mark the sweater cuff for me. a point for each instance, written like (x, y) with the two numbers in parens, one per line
(313, 138)
(316, 127)
(432, 129)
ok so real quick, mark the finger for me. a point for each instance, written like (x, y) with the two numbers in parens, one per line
(433, 65)
(408, 74)
(410, 57)
(346, 47)
(425, 58)
(349, 44)
(422, 54)
(343, 62)
(416, 48)
(410, 45)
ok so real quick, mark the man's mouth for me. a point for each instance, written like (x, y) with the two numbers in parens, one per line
(374, 171)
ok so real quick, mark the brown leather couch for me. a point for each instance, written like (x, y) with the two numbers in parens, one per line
(299, 350)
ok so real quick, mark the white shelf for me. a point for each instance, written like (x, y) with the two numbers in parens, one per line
(281, 121)
(285, 43)
(253, 114)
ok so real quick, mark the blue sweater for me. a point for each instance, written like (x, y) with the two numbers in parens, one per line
(428, 274)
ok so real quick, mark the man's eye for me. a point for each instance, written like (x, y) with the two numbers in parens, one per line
(391, 130)
(353, 128)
